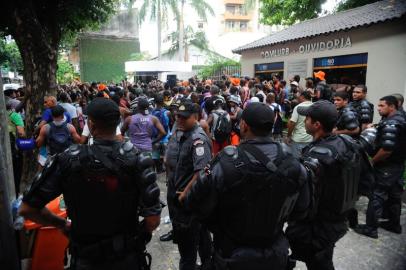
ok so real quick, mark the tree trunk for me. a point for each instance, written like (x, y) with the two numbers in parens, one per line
(39, 51)
(181, 32)
(159, 23)
(186, 53)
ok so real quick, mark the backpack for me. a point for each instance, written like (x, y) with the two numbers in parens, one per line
(326, 93)
(222, 128)
(236, 124)
(343, 190)
(59, 138)
(278, 123)
(163, 117)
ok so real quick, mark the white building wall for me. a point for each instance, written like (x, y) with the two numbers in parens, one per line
(386, 47)
(196, 56)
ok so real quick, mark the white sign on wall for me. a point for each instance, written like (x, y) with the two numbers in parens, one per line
(297, 67)
(336, 43)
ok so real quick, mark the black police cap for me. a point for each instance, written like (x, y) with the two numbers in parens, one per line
(258, 115)
(102, 109)
(323, 111)
(187, 108)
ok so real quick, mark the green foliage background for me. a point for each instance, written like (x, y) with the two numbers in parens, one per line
(10, 57)
(215, 64)
(288, 12)
(65, 72)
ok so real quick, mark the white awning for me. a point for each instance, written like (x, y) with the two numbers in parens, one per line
(157, 66)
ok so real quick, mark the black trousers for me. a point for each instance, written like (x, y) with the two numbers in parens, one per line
(387, 194)
(314, 258)
(313, 242)
(389, 197)
(191, 240)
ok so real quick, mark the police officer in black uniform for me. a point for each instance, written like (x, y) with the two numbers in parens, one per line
(106, 187)
(189, 150)
(335, 162)
(389, 165)
(364, 109)
(246, 194)
(170, 160)
(347, 122)
(401, 100)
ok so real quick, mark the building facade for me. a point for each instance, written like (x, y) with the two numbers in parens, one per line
(100, 55)
(366, 45)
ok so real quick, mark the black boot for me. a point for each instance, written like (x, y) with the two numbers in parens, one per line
(367, 231)
(387, 225)
(352, 217)
(167, 237)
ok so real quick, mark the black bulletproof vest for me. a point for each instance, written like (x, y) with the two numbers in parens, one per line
(256, 200)
(337, 188)
(100, 202)
(399, 153)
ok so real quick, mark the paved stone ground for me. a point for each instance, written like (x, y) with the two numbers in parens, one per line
(353, 251)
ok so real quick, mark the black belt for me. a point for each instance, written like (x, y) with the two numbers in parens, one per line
(110, 248)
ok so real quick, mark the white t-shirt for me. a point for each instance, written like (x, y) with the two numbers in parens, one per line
(86, 133)
(299, 132)
(69, 108)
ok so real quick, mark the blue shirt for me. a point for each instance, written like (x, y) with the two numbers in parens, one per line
(47, 116)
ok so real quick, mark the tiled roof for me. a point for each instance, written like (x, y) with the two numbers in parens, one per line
(362, 16)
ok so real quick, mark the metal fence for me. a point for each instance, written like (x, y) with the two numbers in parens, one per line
(225, 71)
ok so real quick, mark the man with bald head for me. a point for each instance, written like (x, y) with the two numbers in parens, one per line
(49, 103)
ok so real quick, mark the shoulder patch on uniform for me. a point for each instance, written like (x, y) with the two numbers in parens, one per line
(199, 151)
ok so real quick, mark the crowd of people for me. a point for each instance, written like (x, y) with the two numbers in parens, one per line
(205, 135)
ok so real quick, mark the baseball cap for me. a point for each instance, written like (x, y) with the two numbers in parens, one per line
(294, 83)
(187, 108)
(254, 99)
(234, 99)
(323, 111)
(10, 87)
(258, 115)
(103, 109)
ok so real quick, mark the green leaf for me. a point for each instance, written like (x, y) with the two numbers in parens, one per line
(288, 12)
(65, 71)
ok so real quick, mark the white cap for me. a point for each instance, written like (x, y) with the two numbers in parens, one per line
(254, 99)
(294, 83)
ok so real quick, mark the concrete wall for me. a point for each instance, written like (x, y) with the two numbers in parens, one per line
(385, 44)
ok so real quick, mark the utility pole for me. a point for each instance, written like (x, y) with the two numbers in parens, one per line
(9, 258)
